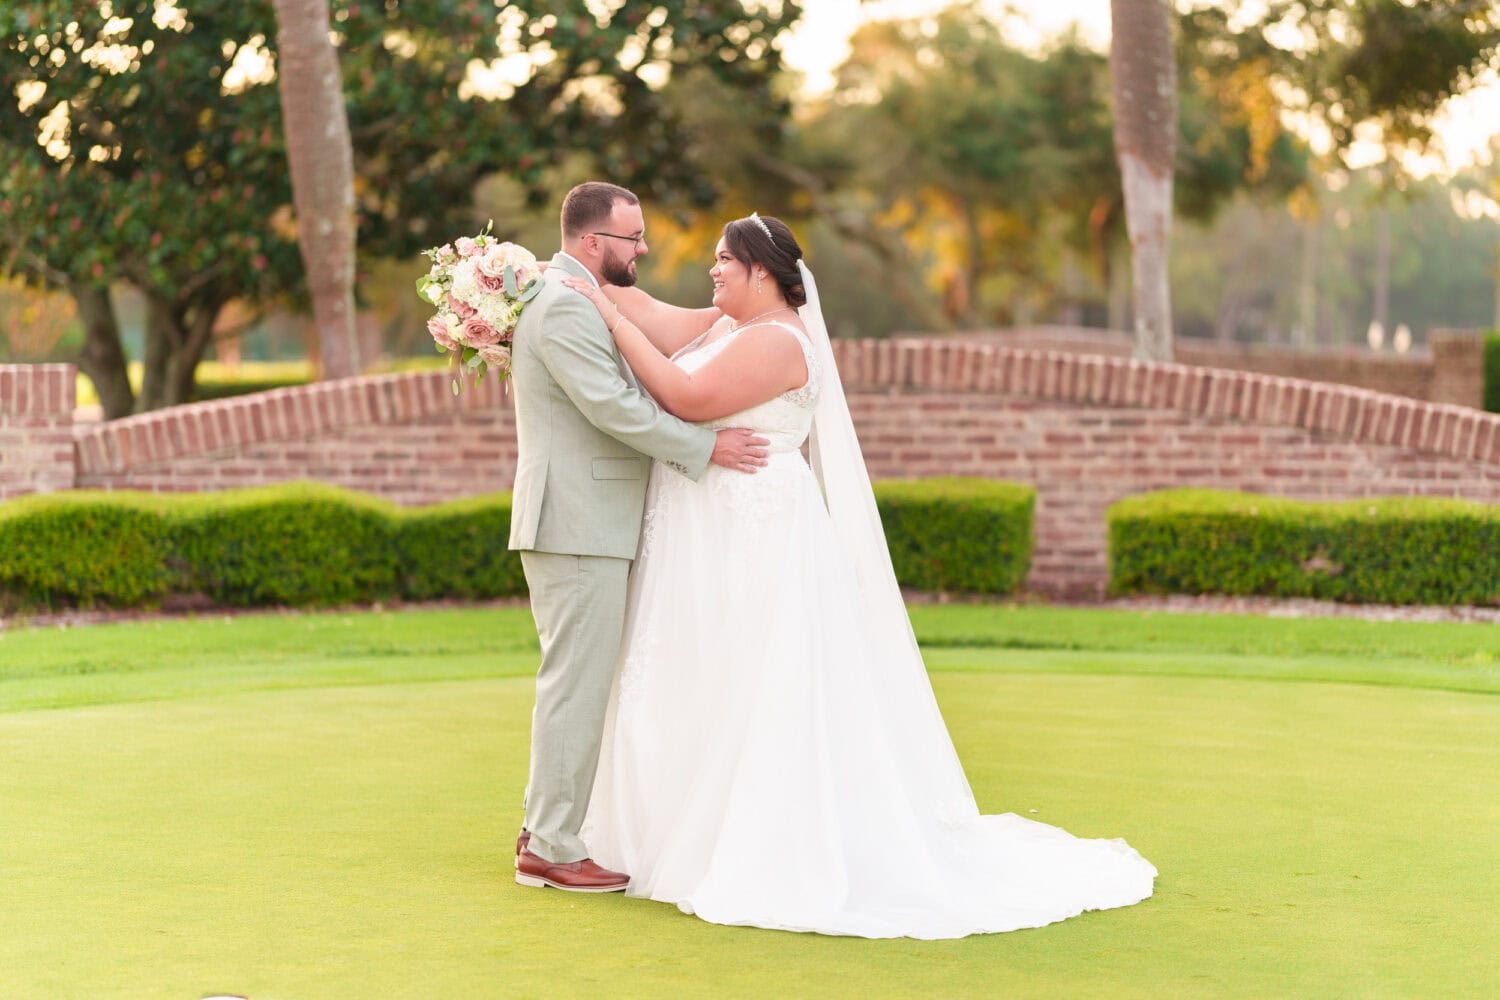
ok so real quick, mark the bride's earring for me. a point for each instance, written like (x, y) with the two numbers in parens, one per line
(758, 276)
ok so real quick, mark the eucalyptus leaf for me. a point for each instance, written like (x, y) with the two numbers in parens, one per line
(511, 288)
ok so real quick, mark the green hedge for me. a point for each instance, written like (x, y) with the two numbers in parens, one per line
(1492, 371)
(302, 543)
(458, 549)
(310, 544)
(1398, 550)
(83, 547)
(958, 534)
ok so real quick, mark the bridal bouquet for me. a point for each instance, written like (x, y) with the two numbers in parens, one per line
(479, 286)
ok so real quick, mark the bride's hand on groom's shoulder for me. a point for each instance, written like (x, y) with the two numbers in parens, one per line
(589, 291)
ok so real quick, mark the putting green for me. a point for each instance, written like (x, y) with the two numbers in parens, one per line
(1314, 840)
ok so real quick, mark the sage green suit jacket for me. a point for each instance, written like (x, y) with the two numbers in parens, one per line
(585, 429)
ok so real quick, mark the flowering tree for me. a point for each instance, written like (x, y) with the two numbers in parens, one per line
(141, 140)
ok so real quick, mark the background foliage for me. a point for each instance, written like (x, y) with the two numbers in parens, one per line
(311, 544)
(145, 145)
(1394, 550)
(955, 176)
(971, 535)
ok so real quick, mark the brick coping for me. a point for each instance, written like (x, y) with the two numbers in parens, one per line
(37, 390)
(275, 415)
(1347, 412)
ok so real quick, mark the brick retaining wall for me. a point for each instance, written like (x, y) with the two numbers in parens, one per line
(36, 428)
(1084, 430)
(1087, 431)
(405, 437)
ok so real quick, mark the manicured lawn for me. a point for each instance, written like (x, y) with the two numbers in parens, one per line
(309, 806)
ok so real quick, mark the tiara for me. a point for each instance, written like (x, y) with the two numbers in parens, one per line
(755, 218)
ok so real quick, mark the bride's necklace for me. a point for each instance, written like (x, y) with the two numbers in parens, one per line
(740, 326)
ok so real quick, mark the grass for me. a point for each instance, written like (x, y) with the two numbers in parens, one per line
(322, 806)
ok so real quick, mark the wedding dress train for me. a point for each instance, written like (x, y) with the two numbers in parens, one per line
(773, 754)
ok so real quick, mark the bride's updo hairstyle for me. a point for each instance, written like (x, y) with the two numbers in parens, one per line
(778, 252)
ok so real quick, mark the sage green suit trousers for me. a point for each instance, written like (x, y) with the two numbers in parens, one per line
(587, 434)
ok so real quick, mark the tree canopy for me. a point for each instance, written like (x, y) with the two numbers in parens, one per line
(144, 142)
(997, 164)
(1377, 69)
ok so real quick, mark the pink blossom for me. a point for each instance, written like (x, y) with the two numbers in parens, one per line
(478, 333)
(496, 355)
(490, 282)
(460, 308)
(492, 262)
(439, 331)
(467, 247)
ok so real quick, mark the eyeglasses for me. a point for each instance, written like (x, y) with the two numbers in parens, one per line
(636, 240)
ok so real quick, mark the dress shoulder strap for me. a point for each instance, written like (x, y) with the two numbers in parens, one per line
(805, 395)
(801, 335)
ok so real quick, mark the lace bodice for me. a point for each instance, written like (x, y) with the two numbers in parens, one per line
(785, 420)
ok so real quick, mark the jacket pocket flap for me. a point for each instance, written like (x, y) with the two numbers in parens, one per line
(619, 468)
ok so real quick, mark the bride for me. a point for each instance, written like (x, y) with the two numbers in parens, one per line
(773, 754)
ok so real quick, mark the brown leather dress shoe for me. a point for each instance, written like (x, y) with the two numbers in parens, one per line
(576, 876)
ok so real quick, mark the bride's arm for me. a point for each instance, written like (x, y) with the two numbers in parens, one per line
(670, 328)
(761, 364)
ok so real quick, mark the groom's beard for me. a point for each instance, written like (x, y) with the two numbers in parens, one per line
(618, 272)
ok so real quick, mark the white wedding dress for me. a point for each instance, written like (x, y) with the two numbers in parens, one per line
(773, 754)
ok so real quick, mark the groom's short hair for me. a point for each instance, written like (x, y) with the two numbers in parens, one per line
(589, 204)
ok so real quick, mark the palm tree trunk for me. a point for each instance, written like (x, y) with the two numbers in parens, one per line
(322, 167)
(1144, 80)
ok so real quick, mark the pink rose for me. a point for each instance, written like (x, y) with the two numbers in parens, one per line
(439, 331)
(460, 308)
(490, 282)
(478, 333)
(492, 263)
(495, 355)
(467, 247)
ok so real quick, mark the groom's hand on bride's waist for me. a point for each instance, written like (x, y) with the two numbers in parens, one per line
(739, 449)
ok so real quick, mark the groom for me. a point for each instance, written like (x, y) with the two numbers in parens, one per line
(586, 433)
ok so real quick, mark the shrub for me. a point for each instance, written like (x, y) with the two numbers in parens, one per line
(83, 548)
(457, 549)
(1397, 550)
(310, 544)
(958, 534)
(1492, 371)
(299, 543)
